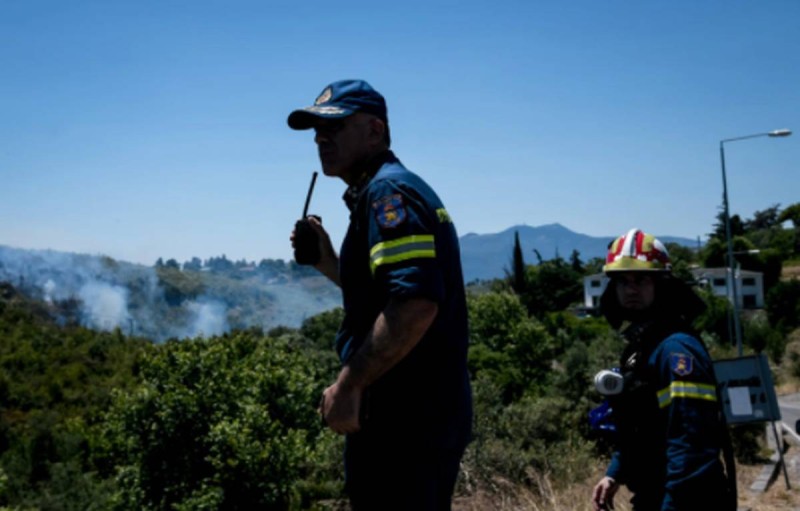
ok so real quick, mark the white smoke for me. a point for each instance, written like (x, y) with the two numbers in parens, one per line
(101, 293)
(97, 283)
(105, 307)
(49, 287)
(209, 318)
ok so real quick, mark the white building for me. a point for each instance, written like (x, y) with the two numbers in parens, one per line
(749, 286)
(593, 287)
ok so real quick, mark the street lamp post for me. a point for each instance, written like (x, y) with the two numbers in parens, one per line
(737, 327)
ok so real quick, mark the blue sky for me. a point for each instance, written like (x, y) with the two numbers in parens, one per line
(146, 129)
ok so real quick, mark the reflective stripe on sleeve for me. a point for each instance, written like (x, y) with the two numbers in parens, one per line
(402, 249)
(688, 390)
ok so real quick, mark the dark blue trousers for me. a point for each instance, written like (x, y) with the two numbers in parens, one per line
(382, 473)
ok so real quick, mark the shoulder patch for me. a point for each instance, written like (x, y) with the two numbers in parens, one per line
(681, 364)
(390, 211)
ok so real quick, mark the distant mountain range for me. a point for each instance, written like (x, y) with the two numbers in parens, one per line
(487, 256)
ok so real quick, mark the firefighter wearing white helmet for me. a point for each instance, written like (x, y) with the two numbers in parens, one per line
(637, 251)
(669, 423)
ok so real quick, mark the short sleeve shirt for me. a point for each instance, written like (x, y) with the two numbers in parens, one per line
(401, 243)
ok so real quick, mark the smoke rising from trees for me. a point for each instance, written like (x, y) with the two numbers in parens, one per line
(165, 302)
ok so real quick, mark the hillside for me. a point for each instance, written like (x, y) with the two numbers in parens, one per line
(165, 302)
(93, 416)
(89, 419)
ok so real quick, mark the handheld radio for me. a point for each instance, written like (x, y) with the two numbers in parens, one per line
(306, 240)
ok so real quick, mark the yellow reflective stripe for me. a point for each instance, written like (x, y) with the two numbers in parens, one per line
(415, 238)
(402, 249)
(444, 216)
(686, 389)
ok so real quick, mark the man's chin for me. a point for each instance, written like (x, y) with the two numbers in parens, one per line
(331, 171)
(328, 166)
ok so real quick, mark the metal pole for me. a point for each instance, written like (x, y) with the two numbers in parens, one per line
(737, 328)
(737, 331)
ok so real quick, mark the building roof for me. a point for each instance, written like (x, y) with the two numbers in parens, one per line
(722, 272)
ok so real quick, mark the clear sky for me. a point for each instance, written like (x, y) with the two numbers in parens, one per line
(145, 129)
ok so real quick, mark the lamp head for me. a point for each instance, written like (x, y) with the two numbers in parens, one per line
(780, 133)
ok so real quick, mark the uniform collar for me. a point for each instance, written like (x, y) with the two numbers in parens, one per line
(649, 333)
(369, 169)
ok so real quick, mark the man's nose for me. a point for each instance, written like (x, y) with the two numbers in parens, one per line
(629, 287)
(322, 135)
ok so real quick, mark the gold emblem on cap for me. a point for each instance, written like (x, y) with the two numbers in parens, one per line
(324, 97)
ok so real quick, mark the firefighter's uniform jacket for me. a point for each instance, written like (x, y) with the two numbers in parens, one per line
(669, 423)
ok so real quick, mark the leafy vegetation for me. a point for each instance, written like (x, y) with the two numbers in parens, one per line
(101, 420)
(227, 423)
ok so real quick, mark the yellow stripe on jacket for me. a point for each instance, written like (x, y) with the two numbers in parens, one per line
(686, 389)
(402, 249)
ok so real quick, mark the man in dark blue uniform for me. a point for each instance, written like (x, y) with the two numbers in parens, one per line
(402, 396)
(670, 427)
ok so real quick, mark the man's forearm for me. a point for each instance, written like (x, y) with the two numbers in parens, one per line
(330, 268)
(396, 331)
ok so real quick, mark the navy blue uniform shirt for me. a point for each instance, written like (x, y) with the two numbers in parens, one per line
(670, 429)
(401, 243)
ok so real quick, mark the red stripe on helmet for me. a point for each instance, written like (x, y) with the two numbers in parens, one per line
(639, 244)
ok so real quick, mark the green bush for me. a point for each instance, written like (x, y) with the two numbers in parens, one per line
(760, 336)
(533, 436)
(507, 346)
(747, 442)
(783, 305)
(228, 423)
(716, 319)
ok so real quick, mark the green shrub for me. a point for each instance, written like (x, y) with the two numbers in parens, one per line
(507, 346)
(228, 423)
(760, 336)
(783, 305)
(747, 442)
(530, 437)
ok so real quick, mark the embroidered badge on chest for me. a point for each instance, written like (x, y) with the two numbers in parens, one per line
(389, 211)
(681, 364)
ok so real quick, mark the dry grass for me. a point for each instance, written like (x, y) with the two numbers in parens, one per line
(790, 272)
(776, 498)
(504, 496)
(786, 382)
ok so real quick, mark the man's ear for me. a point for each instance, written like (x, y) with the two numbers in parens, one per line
(377, 130)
